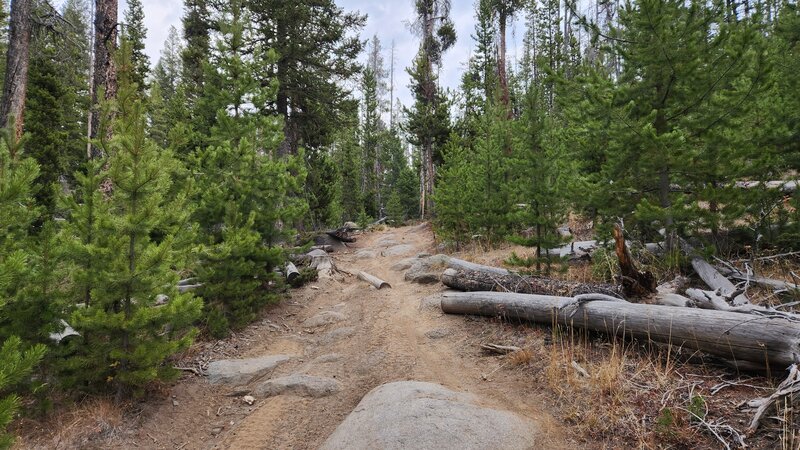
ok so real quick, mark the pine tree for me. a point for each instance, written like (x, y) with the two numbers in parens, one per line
(245, 192)
(371, 124)
(136, 33)
(428, 120)
(17, 213)
(133, 230)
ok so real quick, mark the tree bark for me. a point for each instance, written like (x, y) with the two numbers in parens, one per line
(12, 105)
(477, 280)
(104, 78)
(774, 341)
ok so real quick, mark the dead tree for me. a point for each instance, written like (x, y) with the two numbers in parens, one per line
(104, 72)
(635, 282)
(12, 105)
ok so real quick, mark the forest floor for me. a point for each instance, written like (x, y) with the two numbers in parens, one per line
(401, 334)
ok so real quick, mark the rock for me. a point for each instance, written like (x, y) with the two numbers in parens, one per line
(337, 334)
(365, 254)
(216, 430)
(325, 359)
(350, 226)
(437, 333)
(243, 371)
(398, 250)
(249, 399)
(427, 270)
(386, 241)
(416, 415)
(323, 318)
(403, 264)
(423, 255)
(298, 384)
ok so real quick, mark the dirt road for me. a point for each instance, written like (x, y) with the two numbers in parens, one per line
(386, 335)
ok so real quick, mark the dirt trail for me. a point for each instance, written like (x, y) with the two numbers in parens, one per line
(388, 335)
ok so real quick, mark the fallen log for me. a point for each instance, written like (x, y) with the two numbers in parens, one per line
(500, 349)
(764, 340)
(455, 263)
(777, 285)
(715, 280)
(291, 272)
(635, 282)
(373, 280)
(483, 280)
(326, 248)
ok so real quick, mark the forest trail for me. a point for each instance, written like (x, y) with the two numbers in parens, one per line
(386, 335)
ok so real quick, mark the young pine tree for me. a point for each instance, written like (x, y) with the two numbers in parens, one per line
(131, 230)
(17, 213)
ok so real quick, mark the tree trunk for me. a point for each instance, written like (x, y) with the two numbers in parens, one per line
(635, 282)
(477, 280)
(501, 63)
(12, 106)
(104, 78)
(728, 335)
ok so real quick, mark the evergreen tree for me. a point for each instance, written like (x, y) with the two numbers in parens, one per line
(428, 120)
(372, 170)
(347, 157)
(133, 229)
(136, 33)
(17, 213)
(246, 193)
(318, 51)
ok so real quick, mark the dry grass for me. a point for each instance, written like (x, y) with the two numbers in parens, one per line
(93, 420)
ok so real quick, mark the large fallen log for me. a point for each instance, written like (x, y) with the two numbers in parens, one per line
(455, 263)
(777, 285)
(731, 336)
(484, 280)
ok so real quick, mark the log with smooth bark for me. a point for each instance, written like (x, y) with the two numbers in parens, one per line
(291, 272)
(373, 280)
(483, 280)
(763, 340)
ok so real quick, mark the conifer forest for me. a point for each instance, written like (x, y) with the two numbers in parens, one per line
(612, 184)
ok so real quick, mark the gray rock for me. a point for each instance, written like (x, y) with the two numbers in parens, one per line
(403, 264)
(337, 334)
(437, 333)
(323, 318)
(427, 270)
(298, 384)
(365, 254)
(398, 250)
(243, 371)
(416, 415)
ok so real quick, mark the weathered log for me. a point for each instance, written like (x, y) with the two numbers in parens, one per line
(500, 349)
(482, 280)
(291, 272)
(373, 280)
(670, 293)
(455, 263)
(772, 283)
(635, 282)
(580, 249)
(322, 262)
(712, 277)
(772, 340)
(326, 248)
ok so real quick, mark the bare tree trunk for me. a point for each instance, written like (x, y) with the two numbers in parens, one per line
(12, 106)
(501, 63)
(105, 72)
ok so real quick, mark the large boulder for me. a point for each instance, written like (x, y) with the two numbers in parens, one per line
(416, 415)
(242, 371)
(427, 270)
(298, 384)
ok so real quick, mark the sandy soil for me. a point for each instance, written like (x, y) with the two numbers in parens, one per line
(388, 335)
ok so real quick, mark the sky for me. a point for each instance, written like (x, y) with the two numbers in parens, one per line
(388, 19)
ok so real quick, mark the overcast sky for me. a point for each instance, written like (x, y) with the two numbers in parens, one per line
(388, 19)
